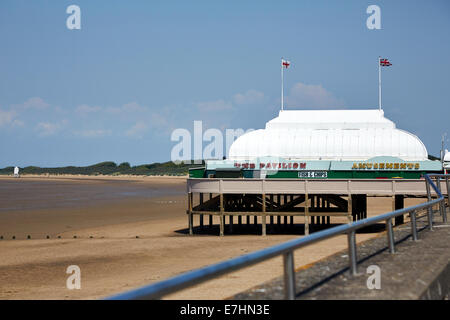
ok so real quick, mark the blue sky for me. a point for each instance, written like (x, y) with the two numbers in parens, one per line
(137, 70)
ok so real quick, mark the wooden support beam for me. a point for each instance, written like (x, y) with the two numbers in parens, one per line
(271, 209)
(201, 216)
(190, 215)
(399, 203)
(306, 214)
(350, 210)
(222, 217)
(263, 223)
(278, 206)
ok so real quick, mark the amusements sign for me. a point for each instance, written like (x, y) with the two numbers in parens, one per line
(386, 166)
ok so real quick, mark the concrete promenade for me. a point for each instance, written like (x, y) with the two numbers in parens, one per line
(417, 270)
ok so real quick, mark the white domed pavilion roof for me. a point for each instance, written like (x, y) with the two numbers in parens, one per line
(329, 135)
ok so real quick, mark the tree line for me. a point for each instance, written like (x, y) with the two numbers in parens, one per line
(111, 168)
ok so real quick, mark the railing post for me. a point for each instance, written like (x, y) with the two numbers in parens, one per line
(289, 276)
(430, 208)
(412, 214)
(352, 253)
(442, 203)
(390, 233)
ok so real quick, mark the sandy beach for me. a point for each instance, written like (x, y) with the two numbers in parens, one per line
(130, 231)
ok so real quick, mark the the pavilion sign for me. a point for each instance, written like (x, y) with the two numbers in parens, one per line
(272, 165)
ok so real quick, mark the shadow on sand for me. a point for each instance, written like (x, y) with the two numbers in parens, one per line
(252, 229)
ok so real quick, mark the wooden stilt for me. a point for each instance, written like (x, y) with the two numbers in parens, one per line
(190, 218)
(263, 223)
(350, 210)
(306, 214)
(399, 204)
(201, 216)
(278, 216)
(222, 217)
(271, 209)
(190, 222)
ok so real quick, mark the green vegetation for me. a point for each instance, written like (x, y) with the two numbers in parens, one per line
(111, 168)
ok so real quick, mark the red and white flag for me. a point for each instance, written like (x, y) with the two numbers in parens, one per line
(285, 64)
(385, 63)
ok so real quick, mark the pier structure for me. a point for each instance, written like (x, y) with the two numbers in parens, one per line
(270, 203)
(317, 165)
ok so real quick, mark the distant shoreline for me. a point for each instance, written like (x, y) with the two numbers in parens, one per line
(109, 169)
(99, 176)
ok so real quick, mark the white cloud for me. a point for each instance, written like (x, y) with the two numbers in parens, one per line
(250, 97)
(128, 108)
(131, 107)
(311, 96)
(10, 117)
(84, 109)
(247, 98)
(50, 128)
(32, 103)
(93, 133)
(218, 105)
(6, 117)
(17, 123)
(137, 130)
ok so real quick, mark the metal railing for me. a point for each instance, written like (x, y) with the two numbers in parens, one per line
(286, 249)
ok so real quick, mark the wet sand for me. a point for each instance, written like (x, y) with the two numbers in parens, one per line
(130, 231)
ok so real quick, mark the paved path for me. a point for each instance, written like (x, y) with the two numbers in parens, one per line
(418, 270)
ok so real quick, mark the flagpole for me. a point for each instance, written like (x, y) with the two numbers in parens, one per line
(379, 83)
(282, 89)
